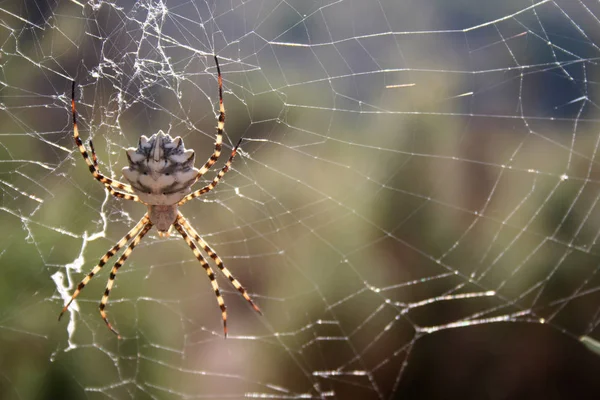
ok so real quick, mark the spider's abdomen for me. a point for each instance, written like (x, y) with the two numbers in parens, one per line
(161, 170)
(162, 217)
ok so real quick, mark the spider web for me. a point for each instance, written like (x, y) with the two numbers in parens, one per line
(415, 200)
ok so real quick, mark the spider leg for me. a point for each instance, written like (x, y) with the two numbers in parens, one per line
(209, 272)
(92, 163)
(122, 195)
(115, 269)
(133, 232)
(220, 126)
(215, 181)
(181, 220)
(94, 158)
(111, 190)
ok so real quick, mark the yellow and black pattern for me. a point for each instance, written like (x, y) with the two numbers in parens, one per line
(181, 220)
(133, 232)
(165, 216)
(92, 163)
(209, 272)
(115, 269)
(215, 181)
(220, 126)
(122, 195)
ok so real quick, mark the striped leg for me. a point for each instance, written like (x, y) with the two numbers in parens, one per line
(220, 126)
(215, 181)
(92, 163)
(122, 195)
(133, 232)
(209, 272)
(94, 158)
(113, 274)
(181, 219)
(111, 190)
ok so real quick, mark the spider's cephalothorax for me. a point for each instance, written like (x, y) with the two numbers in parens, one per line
(161, 172)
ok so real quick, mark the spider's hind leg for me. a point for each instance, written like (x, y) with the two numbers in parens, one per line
(133, 232)
(211, 253)
(209, 272)
(113, 274)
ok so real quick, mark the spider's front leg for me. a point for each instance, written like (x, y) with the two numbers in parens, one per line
(215, 181)
(92, 163)
(109, 188)
(218, 144)
(220, 127)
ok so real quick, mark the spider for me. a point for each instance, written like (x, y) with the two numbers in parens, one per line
(161, 173)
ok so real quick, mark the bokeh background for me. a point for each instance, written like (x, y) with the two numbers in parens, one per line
(414, 206)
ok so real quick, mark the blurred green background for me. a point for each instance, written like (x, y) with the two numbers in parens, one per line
(414, 206)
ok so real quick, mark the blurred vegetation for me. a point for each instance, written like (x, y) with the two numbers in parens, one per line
(352, 201)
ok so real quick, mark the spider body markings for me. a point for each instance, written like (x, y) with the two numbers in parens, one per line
(161, 174)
